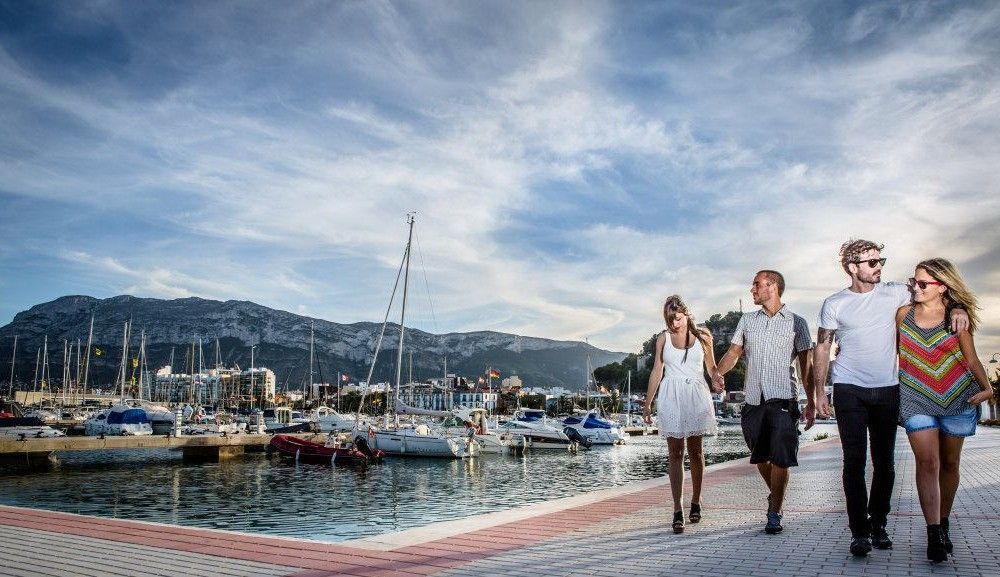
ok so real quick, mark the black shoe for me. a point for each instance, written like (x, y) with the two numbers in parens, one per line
(773, 526)
(861, 546)
(936, 552)
(880, 538)
(678, 523)
(695, 515)
(947, 538)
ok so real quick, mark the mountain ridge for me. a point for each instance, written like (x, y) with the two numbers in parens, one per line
(281, 340)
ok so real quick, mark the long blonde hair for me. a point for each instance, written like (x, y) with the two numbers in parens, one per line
(675, 305)
(958, 294)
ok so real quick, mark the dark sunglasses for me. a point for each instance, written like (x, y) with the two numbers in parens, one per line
(871, 262)
(923, 283)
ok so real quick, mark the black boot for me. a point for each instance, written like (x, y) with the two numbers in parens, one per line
(880, 537)
(936, 552)
(947, 538)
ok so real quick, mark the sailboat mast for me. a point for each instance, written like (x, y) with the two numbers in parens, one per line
(13, 360)
(402, 316)
(86, 365)
(312, 357)
(121, 376)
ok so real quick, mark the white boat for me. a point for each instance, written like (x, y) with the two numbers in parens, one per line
(281, 417)
(595, 429)
(217, 424)
(331, 421)
(422, 441)
(473, 423)
(118, 420)
(535, 432)
(44, 415)
(26, 428)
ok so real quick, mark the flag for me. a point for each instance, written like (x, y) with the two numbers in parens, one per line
(494, 374)
(344, 378)
(135, 363)
(97, 352)
(481, 380)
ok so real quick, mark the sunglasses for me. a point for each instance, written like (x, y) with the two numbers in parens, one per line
(922, 284)
(871, 262)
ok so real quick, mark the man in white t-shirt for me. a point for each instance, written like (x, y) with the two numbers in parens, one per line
(862, 320)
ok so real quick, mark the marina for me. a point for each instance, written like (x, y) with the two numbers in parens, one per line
(268, 495)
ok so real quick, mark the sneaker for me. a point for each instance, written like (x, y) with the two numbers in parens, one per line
(880, 538)
(861, 546)
(773, 526)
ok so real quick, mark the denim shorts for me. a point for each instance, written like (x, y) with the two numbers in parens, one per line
(960, 425)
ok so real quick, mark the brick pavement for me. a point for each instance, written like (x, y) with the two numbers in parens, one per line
(625, 531)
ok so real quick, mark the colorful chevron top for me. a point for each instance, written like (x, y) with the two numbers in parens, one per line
(934, 378)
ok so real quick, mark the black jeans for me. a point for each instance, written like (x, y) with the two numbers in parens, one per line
(874, 411)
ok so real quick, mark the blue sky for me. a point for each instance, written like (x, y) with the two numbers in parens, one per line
(571, 163)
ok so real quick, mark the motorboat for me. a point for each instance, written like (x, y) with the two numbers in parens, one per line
(284, 418)
(332, 421)
(119, 420)
(329, 453)
(473, 423)
(26, 428)
(592, 427)
(535, 432)
(214, 424)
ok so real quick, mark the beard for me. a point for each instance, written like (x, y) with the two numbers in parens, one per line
(870, 277)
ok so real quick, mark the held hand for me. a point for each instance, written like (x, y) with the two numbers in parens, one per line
(718, 381)
(959, 320)
(980, 397)
(823, 406)
(809, 415)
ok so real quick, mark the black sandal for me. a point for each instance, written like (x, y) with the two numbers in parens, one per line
(695, 514)
(678, 521)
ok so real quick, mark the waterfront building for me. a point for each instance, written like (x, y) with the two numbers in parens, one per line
(234, 387)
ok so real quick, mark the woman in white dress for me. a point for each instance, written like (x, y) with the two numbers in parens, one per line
(684, 405)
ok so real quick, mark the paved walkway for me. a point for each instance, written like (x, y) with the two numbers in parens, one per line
(623, 531)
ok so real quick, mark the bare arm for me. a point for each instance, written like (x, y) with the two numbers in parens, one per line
(708, 347)
(654, 379)
(968, 346)
(805, 368)
(821, 368)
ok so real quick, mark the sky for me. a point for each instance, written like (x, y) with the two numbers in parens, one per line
(570, 164)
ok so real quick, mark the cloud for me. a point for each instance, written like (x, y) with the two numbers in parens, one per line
(570, 164)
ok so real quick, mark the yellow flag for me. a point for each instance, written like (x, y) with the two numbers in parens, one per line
(135, 363)
(97, 352)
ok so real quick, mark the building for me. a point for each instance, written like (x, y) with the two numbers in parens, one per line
(231, 387)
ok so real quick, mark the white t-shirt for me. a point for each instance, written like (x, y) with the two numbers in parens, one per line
(866, 332)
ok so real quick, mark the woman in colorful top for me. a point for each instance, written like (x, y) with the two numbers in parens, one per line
(941, 384)
(684, 406)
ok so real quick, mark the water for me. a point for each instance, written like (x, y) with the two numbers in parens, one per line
(258, 494)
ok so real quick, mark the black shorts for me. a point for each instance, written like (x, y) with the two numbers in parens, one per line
(771, 431)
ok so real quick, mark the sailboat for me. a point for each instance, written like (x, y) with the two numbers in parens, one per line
(420, 440)
(121, 419)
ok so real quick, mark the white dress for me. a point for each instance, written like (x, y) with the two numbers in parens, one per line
(684, 405)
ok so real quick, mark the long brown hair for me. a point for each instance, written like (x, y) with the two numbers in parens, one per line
(674, 305)
(958, 294)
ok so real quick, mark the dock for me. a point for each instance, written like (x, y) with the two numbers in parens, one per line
(612, 532)
(198, 447)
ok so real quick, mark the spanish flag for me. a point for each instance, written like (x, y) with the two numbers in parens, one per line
(494, 374)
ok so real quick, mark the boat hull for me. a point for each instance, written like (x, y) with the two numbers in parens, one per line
(304, 451)
(410, 443)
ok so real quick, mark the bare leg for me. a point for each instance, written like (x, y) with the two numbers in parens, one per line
(765, 471)
(926, 452)
(951, 451)
(676, 462)
(697, 458)
(779, 480)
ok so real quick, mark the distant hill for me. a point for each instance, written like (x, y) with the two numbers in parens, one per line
(282, 340)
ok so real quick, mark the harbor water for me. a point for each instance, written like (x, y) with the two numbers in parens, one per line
(258, 494)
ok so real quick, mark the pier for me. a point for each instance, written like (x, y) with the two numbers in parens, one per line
(620, 531)
(195, 447)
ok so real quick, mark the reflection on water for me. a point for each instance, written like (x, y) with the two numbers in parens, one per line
(262, 495)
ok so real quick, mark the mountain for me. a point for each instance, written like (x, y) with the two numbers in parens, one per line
(282, 340)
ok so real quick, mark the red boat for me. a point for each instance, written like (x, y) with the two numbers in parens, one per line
(304, 451)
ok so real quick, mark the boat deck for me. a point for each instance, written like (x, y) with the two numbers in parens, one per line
(621, 531)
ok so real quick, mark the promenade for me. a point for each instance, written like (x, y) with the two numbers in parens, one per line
(622, 531)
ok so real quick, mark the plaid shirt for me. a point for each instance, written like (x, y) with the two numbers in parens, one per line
(769, 346)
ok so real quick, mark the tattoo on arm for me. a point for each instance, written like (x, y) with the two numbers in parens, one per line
(825, 336)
